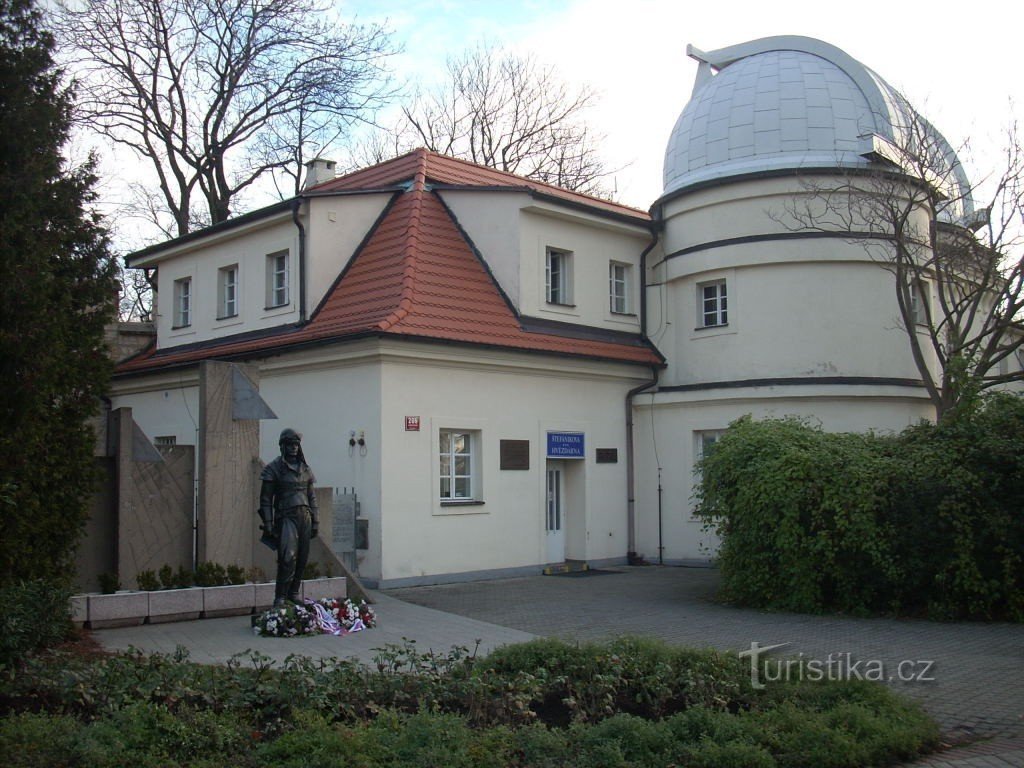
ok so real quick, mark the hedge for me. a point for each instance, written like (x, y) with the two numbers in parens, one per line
(924, 523)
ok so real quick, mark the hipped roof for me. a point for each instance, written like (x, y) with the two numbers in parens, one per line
(417, 276)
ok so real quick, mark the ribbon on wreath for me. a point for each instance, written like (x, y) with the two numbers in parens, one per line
(325, 620)
(329, 625)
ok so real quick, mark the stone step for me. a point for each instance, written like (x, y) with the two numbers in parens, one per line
(569, 566)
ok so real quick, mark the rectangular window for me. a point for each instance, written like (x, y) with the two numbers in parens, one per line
(705, 440)
(183, 302)
(918, 302)
(227, 287)
(457, 456)
(703, 443)
(558, 276)
(165, 441)
(277, 279)
(618, 288)
(713, 304)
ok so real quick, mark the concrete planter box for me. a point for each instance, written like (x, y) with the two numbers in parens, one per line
(122, 609)
(233, 600)
(264, 595)
(319, 589)
(175, 605)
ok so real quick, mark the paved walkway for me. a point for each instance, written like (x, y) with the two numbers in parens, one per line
(214, 641)
(974, 690)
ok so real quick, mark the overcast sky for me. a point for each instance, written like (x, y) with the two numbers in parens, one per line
(959, 63)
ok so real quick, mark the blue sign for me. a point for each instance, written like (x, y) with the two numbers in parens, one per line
(565, 445)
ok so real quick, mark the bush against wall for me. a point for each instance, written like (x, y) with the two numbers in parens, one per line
(923, 523)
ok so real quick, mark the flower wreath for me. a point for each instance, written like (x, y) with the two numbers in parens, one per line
(314, 617)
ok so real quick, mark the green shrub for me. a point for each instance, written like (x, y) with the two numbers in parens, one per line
(311, 571)
(924, 523)
(236, 574)
(630, 675)
(109, 583)
(184, 578)
(35, 615)
(33, 740)
(167, 577)
(145, 734)
(211, 575)
(147, 581)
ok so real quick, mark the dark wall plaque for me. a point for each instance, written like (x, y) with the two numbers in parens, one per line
(607, 455)
(515, 454)
(362, 533)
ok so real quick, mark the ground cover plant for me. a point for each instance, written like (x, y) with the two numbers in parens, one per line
(545, 703)
(924, 523)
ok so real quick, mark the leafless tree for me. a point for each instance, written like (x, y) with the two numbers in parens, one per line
(214, 94)
(508, 112)
(958, 266)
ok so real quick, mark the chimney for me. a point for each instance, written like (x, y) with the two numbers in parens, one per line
(318, 171)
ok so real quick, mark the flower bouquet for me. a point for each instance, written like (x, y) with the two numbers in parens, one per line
(314, 617)
(352, 616)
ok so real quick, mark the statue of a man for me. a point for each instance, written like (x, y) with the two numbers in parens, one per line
(289, 513)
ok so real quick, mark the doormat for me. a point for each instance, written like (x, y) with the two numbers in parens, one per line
(589, 572)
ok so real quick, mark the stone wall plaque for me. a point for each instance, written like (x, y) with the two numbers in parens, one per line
(515, 454)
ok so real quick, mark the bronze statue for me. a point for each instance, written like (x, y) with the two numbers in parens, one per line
(289, 513)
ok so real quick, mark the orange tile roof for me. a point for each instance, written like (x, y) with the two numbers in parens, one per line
(416, 276)
(444, 170)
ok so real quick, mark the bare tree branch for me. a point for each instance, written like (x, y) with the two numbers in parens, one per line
(507, 112)
(914, 214)
(215, 94)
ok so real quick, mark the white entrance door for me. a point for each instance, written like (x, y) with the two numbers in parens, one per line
(555, 522)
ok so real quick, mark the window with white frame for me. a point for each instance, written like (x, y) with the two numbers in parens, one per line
(277, 279)
(183, 302)
(619, 279)
(704, 441)
(227, 289)
(918, 302)
(558, 276)
(713, 304)
(458, 460)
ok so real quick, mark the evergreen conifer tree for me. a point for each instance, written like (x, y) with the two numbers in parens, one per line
(56, 293)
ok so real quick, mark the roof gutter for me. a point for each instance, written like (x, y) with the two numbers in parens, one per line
(655, 225)
(631, 552)
(296, 205)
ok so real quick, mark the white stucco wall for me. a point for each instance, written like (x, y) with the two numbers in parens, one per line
(335, 227)
(249, 250)
(491, 219)
(799, 304)
(594, 244)
(165, 405)
(499, 397)
(513, 232)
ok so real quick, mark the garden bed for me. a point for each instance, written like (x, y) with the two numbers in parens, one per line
(544, 703)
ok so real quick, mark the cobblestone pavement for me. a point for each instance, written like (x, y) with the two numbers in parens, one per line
(967, 675)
